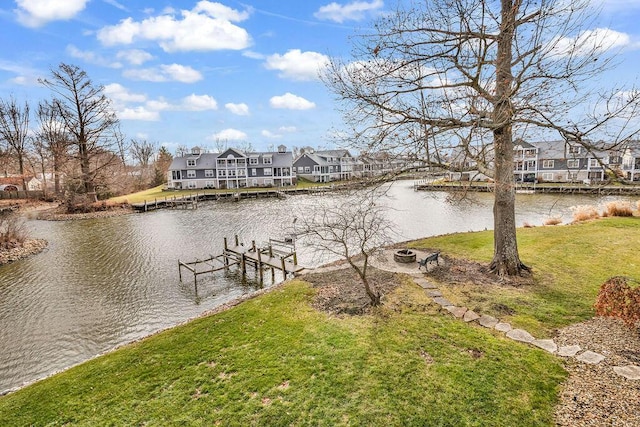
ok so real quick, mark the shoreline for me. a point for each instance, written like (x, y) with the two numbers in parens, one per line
(28, 248)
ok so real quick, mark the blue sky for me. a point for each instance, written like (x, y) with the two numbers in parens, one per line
(190, 72)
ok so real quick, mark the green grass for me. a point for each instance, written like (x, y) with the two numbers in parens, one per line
(157, 192)
(569, 264)
(275, 361)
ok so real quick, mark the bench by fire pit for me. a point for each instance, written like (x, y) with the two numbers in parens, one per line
(404, 256)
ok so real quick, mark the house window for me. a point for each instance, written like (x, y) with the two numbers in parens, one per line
(547, 164)
(307, 169)
(574, 149)
(191, 184)
(266, 160)
(254, 172)
(531, 164)
(222, 173)
(241, 172)
(267, 171)
(573, 163)
(242, 162)
(253, 160)
(176, 175)
(547, 176)
(191, 163)
(191, 174)
(572, 176)
(268, 182)
(593, 163)
(232, 172)
(330, 168)
(210, 184)
(208, 173)
(300, 169)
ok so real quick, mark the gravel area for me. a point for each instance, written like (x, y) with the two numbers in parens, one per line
(594, 395)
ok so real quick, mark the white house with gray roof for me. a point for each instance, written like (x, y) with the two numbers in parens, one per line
(231, 169)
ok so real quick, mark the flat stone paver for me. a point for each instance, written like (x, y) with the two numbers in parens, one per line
(569, 350)
(487, 321)
(590, 357)
(470, 316)
(442, 301)
(520, 335)
(630, 372)
(502, 327)
(434, 293)
(548, 345)
(424, 284)
(457, 312)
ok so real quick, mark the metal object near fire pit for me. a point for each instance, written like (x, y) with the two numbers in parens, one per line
(404, 256)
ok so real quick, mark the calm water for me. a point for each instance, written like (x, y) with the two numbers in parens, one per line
(102, 283)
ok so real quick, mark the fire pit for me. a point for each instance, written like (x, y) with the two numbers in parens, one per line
(404, 256)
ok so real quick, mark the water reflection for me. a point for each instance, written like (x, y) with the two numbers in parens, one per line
(102, 283)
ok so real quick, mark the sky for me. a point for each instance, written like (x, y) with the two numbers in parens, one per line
(190, 73)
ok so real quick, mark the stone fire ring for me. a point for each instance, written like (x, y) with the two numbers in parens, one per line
(404, 256)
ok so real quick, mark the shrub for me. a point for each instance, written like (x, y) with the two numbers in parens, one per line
(12, 232)
(619, 208)
(618, 299)
(584, 213)
(552, 221)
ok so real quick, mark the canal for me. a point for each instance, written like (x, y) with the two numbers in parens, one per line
(106, 282)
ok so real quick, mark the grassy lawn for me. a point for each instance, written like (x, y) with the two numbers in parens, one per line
(275, 360)
(157, 192)
(569, 264)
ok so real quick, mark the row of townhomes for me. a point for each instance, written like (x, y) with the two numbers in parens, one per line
(560, 161)
(231, 169)
(236, 169)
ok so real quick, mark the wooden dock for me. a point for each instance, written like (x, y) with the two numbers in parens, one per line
(600, 190)
(276, 255)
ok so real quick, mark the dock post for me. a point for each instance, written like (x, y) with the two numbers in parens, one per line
(156, 202)
(145, 205)
(260, 266)
(180, 270)
(284, 267)
(237, 241)
(243, 264)
(295, 258)
(225, 244)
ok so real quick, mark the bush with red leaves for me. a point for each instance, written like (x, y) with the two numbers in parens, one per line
(618, 299)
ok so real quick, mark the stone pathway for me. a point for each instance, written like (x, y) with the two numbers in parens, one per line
(385, 262)
(631, 372)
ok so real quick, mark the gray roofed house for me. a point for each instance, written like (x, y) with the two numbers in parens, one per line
(325, 166)
(231, 169)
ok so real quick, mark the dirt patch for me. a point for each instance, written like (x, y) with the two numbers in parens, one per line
(456, 271)
(340, 291)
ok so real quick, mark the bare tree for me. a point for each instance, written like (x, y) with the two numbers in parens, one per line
(161, 166)
(351, 225)
(51, 141)
(469, 75)
(14, 129)
(89, 120)
(143, 151)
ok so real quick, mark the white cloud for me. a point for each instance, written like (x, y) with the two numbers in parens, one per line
(159, 105)
(287, 129)
(354, 11)
(253, 55)
(208, 26)
(91, 57)
(119, 93)
(36, 13)
(290, 101)
(241, 109)
(298, 65)
(270, 135)
(165, 73)
(229, 135)
(199, 103)
(138, 113)
(134, 56)
(595, 41)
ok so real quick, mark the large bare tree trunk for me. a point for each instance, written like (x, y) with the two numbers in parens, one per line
(506, 260)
